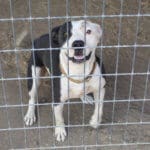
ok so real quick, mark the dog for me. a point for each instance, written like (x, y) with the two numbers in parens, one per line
(71, 60)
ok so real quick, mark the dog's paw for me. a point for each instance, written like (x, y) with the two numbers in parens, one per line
(87, 99)
(60, 133)
(29, 118)
(94, 123)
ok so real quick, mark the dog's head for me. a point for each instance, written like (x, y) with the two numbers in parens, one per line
(78, 39)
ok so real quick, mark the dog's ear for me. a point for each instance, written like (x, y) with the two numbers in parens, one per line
(99, 30)
(55, 34)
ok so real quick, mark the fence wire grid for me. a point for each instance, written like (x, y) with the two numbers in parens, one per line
(125, 51)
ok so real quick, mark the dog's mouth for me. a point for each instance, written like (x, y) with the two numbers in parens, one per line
(79, 58)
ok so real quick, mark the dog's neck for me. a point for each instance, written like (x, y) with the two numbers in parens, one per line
(77, 71)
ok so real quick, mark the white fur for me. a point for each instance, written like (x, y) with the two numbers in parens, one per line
(79, 29)
(30, 117)
(98, 112)
(60, 131)
(77, 90)
(91, 40)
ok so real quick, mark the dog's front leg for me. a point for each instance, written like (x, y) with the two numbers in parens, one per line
(60, 131)
(98, 112)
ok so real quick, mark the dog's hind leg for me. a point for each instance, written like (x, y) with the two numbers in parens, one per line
(33, 84)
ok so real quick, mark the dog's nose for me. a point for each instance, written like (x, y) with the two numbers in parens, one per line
(78, 43)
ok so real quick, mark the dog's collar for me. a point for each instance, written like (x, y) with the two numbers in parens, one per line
(86, 79)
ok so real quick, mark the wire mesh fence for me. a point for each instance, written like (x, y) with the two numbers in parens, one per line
(124, 51)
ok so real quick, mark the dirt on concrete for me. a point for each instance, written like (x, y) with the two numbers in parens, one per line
(13, 133)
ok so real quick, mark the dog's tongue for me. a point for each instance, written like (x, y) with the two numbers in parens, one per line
(79, 57)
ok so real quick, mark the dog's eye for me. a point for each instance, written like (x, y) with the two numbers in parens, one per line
(88, 31)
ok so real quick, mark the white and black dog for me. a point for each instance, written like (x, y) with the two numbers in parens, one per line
(76, 41)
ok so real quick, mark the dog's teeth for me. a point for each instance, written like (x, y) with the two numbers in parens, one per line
(79, 57)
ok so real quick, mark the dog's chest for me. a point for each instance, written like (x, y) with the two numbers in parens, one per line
(74, 90)
(78, 90)
(70, 89)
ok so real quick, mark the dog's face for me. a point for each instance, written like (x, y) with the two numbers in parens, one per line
(78, 39)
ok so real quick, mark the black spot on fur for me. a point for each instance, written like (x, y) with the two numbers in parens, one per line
(101, 65)
(50, 58)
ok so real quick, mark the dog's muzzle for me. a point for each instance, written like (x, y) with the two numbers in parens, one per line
(79, 56)
(78, 50)
(78, 61)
